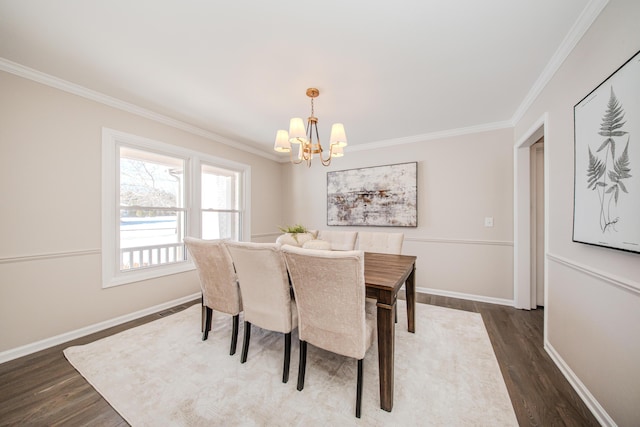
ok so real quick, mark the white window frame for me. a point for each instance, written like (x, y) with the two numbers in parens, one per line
(111, 142)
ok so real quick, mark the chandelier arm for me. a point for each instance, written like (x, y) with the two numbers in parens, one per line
(327, 161)
(291, 156)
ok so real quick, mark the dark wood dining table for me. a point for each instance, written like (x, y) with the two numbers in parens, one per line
(384, 275)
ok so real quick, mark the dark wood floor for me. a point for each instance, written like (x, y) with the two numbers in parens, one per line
(44, 389)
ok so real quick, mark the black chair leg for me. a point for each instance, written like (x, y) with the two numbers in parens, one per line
(359, 389)
(303, 363)
(287, 357)
(207, 323)
(234, 334)
(203, 312)
(245, 343)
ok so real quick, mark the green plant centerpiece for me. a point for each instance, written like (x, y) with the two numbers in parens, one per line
(295, 235)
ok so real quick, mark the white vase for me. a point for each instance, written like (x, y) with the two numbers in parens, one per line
(294, 239)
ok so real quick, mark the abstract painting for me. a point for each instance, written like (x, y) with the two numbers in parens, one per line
(607, 162)
(385, 196)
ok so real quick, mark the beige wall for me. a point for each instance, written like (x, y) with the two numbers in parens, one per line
(461, 180)
(50, 170)
(593, 322)
(50, 182)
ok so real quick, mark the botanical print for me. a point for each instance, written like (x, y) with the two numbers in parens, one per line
(608, 166)
(607, 158)
(376, 196)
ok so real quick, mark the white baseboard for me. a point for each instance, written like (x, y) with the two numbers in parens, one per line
(596, 409)
(25, 350)
(471, 297)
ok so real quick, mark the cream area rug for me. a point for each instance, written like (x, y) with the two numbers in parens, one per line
(163, 374)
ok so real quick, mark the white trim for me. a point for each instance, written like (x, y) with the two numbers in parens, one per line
(263, 235)
(582, 24)
(25, 350)
(66, 86)
(594, 406)
(111, 140)
(424, 240)
(431, 136)
(458, 241)
(522, 213)
(460, 295)
(48, 255)
(622, 283)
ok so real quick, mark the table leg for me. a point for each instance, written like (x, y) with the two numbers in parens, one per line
(410, 288)
(386, 346)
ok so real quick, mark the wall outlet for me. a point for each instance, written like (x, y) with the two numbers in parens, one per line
(488, 221)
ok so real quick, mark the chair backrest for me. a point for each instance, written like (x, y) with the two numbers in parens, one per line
(217, 276)
(264, 285)
(340, 240)
(379, 242)
(330, 294)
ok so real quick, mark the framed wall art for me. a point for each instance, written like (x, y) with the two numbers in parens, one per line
(606, 210)
(385, 196)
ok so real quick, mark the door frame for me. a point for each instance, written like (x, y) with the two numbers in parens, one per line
(522, 213)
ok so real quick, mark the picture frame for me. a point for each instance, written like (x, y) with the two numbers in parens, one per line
(379, 196)
(606, 209)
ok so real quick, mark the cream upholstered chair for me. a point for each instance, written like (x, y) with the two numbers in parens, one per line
(218, 281)
(379, 242)
(340, 240)
(333, 311)
(266, 293)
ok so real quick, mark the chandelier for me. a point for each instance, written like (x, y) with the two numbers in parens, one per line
(303, 137)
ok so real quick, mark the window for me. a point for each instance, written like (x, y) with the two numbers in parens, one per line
(220, 209)
(154, 194)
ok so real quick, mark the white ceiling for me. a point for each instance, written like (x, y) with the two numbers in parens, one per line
(388, 70)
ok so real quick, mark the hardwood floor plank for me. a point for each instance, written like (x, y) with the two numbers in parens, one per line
(44, 389)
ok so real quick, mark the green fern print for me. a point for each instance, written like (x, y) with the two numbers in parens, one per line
(607, 176)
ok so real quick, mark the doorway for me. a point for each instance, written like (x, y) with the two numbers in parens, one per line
(537, 223)
(525, 293)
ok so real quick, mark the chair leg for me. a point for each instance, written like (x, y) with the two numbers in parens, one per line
(203, 312)
(234, 334)
(245, 343)
(207, 323)
(359, 389)
(302, 365)
(287, 357)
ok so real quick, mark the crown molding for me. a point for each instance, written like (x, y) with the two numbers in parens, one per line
(582, 24)
(579, 28)
(57, 83)
(431, 136)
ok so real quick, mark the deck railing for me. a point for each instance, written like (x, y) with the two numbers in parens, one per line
(148, 256)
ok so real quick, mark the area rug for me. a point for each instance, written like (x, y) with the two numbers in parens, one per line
(162, 373)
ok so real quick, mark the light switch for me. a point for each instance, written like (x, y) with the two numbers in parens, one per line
(488, 221)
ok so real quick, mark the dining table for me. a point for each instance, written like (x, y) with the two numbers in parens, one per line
(384, 275)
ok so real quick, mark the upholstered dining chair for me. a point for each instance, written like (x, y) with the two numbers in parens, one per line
(266, 293)
(380, 242)
(333, 312)
(340, 240)
(218, 282)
